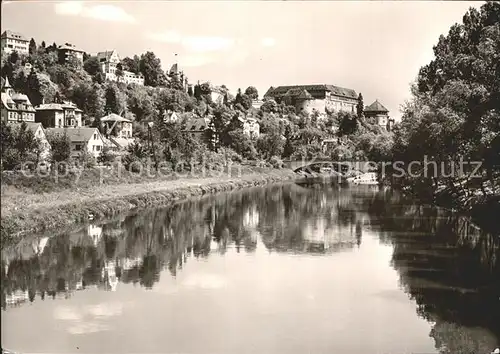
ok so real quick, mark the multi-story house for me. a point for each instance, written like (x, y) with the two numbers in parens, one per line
(68, 51)
(16, 107)
(196, 126)
(321, 98)
(81, 139)
(13, 41)
(59, 115)
(251, 127)
(379, 115)
(109, 61)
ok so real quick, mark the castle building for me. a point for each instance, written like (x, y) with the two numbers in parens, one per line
(16, 107)
(13, 41)
(109, 61)
(309, 98)
(379, 115)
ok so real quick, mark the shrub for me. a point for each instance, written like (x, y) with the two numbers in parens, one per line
(276, 162)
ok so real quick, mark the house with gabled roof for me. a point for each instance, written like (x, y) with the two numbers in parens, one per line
(16, 107)
(40, 135)
(320, 97)
(81, 139)
(378, 114)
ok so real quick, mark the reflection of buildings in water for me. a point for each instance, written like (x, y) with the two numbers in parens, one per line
(251, 217)
(108, 276)
(95, 233)
(17, 298)
(39, 245)
(129, 263)
(318, 232)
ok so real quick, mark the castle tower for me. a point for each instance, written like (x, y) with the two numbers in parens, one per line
(7, 88)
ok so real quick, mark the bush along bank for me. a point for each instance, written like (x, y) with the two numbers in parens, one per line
(19, 223)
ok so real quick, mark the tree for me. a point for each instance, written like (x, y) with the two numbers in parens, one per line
(252, 92)
(61, 147)
(131, 64)
(119, 72)
(360, 106)
(42, 45)
(32, 46)
(115, 99)
(453, 113)
(92, 66)
(150, 67)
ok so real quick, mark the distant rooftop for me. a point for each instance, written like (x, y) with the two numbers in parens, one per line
(376, 107)
(311, 89)
(80, 134)
(14, 35)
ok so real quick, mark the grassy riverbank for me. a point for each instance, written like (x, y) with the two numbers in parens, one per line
(36, 204)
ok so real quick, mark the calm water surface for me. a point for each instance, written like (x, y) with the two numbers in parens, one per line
(282, 269)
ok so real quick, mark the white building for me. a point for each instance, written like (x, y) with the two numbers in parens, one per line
(13, 41)
(251, 127)
(82, 138)
(68, 51)
(109, 61)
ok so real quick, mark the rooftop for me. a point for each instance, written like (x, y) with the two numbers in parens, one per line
(15, 35)
(376, 107)
(113, 117)
(81, 134)
(57, 107)
(336, 90)
(69, 46)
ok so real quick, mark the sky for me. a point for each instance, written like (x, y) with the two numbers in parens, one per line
(373, 47)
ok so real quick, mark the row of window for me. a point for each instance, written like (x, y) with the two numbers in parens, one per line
(78, 147)
(16, 41)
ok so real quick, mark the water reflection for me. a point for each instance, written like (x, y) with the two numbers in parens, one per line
(446, 265)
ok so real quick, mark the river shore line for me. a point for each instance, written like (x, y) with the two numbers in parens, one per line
(25, 211)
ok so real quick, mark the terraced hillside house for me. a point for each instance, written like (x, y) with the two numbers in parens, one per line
(379, 115)
(82, 138)
(16, 107)
(196, 126)
(309, 98)
(68, 51)
(59, 115)
(14, 42)
(109, 61)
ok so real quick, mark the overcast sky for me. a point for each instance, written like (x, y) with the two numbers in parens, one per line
(375, 48)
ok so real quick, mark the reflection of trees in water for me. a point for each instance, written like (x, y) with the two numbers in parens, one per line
(141, 245)
(450, 268)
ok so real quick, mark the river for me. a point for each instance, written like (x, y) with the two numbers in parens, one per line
(279, 269)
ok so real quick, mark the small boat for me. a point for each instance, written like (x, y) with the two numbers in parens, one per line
(369, 178)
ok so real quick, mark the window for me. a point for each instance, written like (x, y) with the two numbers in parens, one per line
(78, 147)
(98, 147)
(95, 136)
(93, 147)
